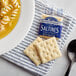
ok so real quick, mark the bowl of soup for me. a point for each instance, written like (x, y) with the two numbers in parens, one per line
(16, 17)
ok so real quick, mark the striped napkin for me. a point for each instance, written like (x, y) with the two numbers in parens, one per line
(16, 55)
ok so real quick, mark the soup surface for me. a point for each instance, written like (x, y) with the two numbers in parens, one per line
(9, 15)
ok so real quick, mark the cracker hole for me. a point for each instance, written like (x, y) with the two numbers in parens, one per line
(51, 55)
(43, 51)
(54, 46)
(53, 40)
(48, 49)
(46, 43)
(57, 53)
(33, 54)
(46, 58)
(54, 50)
(44, 47)
(51, 44)
(38, 59)
(47, 53)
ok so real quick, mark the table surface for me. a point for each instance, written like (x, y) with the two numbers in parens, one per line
(60, 66)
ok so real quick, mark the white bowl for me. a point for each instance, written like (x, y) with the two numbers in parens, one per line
(22, 27)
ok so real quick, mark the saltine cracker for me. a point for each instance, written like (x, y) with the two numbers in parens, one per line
(32, 53)
(48, 50)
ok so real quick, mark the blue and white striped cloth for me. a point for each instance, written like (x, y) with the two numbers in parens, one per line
(16, 55)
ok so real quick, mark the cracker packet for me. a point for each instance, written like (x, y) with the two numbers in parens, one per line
(50, 26)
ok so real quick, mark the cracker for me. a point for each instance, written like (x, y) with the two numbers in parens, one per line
(48, 50)
(31, 52)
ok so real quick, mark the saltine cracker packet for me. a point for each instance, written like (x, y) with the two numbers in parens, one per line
(50, 26)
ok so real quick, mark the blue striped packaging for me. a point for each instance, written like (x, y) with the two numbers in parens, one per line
(16, 55)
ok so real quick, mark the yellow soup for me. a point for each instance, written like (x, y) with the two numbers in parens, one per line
(9, 15)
